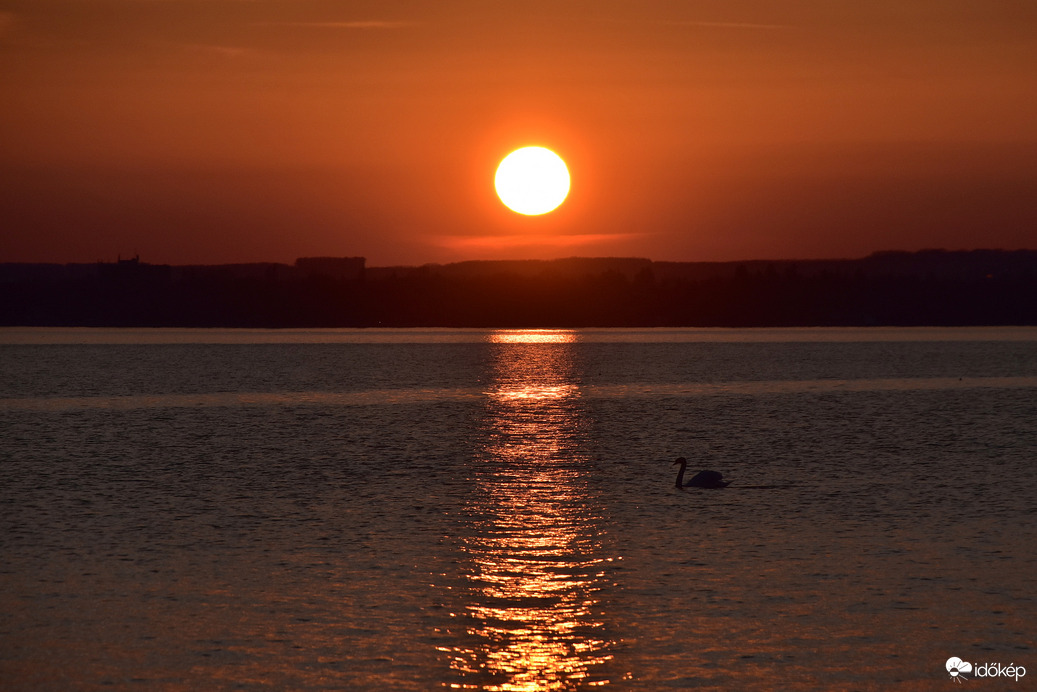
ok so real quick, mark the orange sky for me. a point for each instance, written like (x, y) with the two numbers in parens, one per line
(209, 131)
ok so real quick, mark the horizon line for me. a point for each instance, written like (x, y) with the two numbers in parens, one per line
(874, 253)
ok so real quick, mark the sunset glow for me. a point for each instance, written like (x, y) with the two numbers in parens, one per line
(267, 131)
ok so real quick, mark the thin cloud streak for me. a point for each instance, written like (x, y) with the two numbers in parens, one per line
(731, 25)
(515, 241)
(221, 51)
(706, 25)
(361, 24)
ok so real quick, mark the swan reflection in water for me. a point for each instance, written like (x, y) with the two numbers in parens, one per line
(535, 566)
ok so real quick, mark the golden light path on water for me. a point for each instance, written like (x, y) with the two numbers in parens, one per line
(535, 566)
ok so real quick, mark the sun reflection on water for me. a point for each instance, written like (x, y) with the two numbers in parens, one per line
(533, 336)
(535, 564)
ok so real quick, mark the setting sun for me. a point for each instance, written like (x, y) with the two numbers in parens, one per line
(532, 181)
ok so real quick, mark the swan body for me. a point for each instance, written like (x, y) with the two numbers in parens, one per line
(702, 479)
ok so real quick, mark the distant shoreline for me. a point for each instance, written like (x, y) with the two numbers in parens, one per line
(926, 288)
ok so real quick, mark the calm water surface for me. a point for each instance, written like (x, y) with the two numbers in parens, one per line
(416, 510)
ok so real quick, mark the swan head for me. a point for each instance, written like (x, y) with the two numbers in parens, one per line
(680, 460)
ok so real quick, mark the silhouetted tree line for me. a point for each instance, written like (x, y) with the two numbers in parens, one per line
(928, 288)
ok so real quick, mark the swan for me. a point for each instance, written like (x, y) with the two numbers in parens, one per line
(702, 479)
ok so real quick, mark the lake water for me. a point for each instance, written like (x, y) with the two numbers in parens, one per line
(496, 510)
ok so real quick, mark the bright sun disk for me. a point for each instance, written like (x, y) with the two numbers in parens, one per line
(532, 180)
